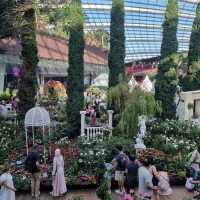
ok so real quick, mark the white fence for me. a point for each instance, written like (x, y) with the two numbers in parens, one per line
(93, 132)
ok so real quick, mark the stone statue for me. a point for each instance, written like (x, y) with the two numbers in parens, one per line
(177, 100)
(142, 132)
(142, 125)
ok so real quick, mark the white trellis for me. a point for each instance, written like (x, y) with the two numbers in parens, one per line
(94, 131)
(36, 117)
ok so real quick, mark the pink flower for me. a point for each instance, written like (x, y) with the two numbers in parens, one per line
(127, 197)
(143, 195)
(132, 191)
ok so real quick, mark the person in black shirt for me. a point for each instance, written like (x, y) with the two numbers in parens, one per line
(32, 165)
(132, 174)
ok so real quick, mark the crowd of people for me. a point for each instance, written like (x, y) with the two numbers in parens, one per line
(150, 180)
(94, 106)
(34, 167)
(129, 173)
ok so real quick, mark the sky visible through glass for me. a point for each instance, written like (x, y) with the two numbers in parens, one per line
(143, 24)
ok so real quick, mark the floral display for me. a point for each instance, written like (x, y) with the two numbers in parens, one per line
(55, 89)
(16, 71)
(151, 152)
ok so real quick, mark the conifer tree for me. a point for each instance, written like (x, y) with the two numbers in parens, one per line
(166, 80)
(28, 83)
(117, 43)
(75, 80)
(192, 80)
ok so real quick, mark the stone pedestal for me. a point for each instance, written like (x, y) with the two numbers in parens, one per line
(82, 122)
(110, 118)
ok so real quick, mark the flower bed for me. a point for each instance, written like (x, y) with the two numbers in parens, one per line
(83, 158)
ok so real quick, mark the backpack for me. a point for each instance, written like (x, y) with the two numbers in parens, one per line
(122, 163)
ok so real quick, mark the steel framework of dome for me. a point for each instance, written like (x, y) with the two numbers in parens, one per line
(143, 24)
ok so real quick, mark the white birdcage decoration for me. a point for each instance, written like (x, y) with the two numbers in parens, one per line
(37, 117)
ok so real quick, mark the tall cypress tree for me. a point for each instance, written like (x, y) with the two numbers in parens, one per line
(166, 80)
(117, 42)
(28, 83)
(75, 80)
(192, 80)
(7, 10)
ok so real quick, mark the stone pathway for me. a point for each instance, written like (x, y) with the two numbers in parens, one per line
(179, 194)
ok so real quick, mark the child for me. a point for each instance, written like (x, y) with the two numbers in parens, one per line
(108, 175)
(190, 184)
(7, 191)
(164, 189)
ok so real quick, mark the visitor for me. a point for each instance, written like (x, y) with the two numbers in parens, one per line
(164, 189)
(59, 185)
(97, 111)
(120, 167)
(132, 175)
(154, 173)
(146, 187)
(127, 155)
(195, 162)
(108, 175)
(93, 117)
(14, 103)
(87, 110)
(33, 166)
(7, 191)
(191, 184)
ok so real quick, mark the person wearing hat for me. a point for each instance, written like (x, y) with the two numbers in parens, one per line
(7, 191)
(33, 166)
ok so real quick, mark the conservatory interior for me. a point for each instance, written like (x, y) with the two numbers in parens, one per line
(98, 96)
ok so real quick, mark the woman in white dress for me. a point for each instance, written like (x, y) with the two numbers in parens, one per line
(59, 185)
(7, 191)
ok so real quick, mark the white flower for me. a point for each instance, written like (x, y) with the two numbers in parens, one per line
(91, 152)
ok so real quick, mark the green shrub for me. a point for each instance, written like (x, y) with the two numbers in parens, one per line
(7, 140)
(102, 191)
(138, 103)
(5, 96)
(176, 139)
(21, 182)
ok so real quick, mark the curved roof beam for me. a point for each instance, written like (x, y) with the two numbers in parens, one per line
(133, 9)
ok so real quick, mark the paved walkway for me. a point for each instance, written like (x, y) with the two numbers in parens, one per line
(179, 194)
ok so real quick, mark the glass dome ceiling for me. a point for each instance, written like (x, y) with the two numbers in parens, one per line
(143, 24)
